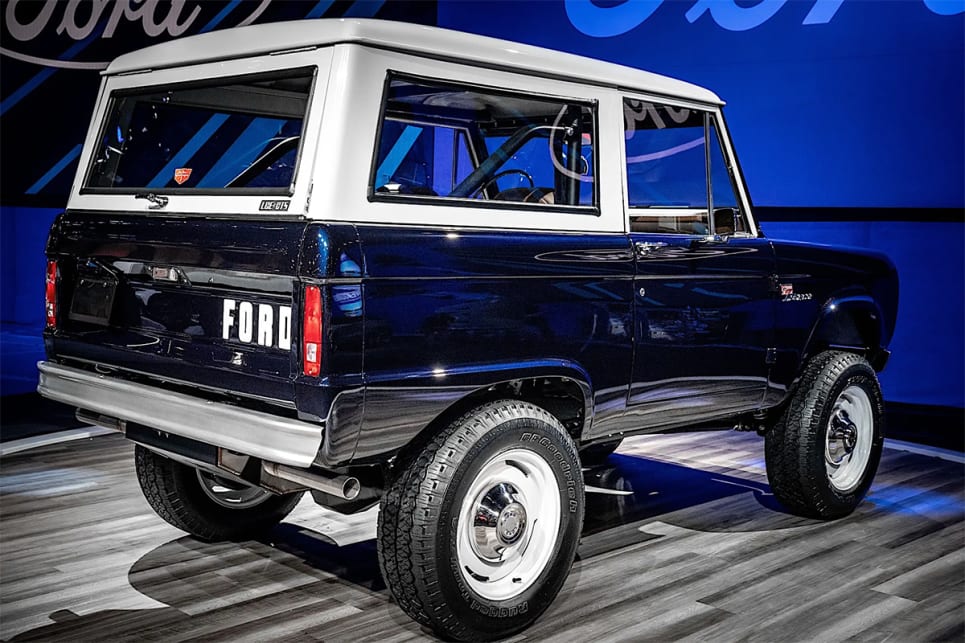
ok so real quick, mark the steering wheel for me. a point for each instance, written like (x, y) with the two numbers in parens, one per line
(499, 175)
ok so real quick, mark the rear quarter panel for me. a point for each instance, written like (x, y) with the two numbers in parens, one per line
(450, 311)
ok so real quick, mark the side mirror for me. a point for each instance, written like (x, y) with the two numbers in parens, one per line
(726, 221)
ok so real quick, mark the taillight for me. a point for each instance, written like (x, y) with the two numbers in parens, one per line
(312, 332)
(50, 294)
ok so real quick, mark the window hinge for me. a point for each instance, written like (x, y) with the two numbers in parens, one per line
(770, 357)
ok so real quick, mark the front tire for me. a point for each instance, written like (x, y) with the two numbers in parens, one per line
(823, 453)
(205, 505)
(479, 529)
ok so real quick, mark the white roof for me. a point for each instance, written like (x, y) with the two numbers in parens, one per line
(417, 39)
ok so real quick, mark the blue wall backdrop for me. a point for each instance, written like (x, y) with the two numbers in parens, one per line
(854, 103)
(848, 116)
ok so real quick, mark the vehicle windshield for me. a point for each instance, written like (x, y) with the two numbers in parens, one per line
(231, 134)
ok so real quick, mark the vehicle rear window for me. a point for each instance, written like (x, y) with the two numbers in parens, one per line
(240, 133)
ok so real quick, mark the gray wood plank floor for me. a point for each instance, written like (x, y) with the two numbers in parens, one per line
(698, 551)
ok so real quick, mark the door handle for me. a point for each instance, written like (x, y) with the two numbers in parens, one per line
(647, 248)
(708, 240)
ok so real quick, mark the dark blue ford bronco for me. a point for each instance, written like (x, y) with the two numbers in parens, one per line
(393, 264)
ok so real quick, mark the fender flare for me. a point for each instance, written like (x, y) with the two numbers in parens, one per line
(849, 321)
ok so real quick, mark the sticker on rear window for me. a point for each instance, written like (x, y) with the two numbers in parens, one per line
(181, 175)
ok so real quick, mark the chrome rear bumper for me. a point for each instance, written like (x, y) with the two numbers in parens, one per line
(266, 436)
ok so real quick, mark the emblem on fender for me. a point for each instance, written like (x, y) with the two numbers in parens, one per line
(788, 294)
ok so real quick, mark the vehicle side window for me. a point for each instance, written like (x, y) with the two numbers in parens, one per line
(443, 141)
(665, 155)
(668, 171)
(728, 215)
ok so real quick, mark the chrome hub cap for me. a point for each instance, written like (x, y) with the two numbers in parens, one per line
(499, 521)
(508, 524)
(511, 523)
(842, 436)
(849, 435)
(229, 493)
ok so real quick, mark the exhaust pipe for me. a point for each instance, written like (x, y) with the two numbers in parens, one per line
(346, 487)
(96, 419)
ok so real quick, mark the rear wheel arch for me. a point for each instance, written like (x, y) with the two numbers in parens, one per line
(568, 398)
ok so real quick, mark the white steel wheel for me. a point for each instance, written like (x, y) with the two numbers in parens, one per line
(849, 436)
(479, 526)
(508, 525)
(230, 494)
(823, 452)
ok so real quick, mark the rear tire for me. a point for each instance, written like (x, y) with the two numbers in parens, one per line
(478, 530)
(823, 453)
(206, 506)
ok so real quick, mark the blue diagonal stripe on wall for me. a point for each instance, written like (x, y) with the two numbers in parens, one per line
(214, 22)
(185, 153)
(397, 154)
(363, 9)
(242, 152)
(47, 72)
(319, 9)
(55, 170)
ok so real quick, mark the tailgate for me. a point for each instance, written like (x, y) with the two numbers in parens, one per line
(202, 302)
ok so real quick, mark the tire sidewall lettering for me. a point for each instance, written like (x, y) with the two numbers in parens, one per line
(565, 468)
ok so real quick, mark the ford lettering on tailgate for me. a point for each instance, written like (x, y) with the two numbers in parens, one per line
(261, 324)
